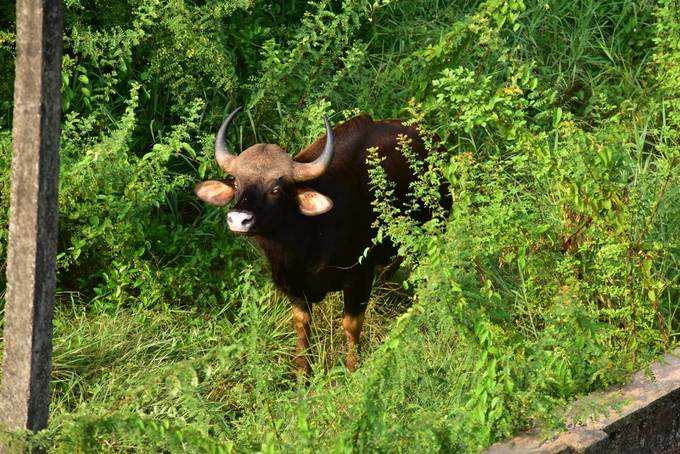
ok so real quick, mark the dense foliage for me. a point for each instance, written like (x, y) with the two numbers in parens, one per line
(557, 271)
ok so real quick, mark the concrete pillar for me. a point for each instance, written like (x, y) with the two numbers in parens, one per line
(27, 362)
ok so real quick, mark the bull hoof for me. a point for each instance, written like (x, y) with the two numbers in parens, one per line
(302, 367)
(351, 362)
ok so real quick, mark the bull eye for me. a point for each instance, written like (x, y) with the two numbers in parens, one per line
(276, 190)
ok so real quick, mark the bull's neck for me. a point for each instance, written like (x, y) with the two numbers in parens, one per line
(294, 245)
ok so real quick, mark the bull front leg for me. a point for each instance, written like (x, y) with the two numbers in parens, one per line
(302, 319)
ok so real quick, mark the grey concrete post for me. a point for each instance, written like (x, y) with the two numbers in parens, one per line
(27, 361)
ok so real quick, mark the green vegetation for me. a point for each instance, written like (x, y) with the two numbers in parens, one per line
(556, 273)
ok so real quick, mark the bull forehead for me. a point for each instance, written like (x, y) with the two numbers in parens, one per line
(263, 162)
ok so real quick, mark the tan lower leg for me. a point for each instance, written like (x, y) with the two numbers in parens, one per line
(352, 324)
(302, 320)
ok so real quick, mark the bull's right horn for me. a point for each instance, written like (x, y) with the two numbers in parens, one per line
(223, 156)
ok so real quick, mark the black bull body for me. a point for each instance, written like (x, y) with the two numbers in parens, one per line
(312, 215)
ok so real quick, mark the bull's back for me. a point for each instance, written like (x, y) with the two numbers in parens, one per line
(346, 182)
(354, 138)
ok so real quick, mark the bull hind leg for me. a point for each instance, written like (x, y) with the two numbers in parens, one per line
(356, 294)
(352, 324)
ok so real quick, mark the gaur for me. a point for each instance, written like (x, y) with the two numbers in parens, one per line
(312, 216)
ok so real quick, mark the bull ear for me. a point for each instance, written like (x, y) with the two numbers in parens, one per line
(312, 203)
(215, 192)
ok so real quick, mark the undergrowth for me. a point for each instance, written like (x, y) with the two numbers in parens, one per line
(553, 124)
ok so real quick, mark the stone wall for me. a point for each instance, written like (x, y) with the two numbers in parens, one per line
(644, 417)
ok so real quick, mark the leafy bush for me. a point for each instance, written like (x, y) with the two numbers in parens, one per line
(553, 125)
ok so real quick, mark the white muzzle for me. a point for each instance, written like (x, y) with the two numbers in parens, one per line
(240, 221)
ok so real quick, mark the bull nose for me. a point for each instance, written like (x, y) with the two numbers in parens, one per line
(240, 221)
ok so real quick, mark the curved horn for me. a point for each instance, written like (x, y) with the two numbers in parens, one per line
(316, 168)
(222, 154)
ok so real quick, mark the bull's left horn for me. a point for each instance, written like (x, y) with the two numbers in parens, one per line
(222, 154)
(316, 168)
